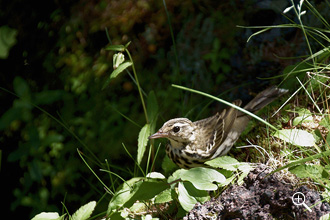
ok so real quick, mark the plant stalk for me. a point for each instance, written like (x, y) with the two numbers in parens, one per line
(138, 85)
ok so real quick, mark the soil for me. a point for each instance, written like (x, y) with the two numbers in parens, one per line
(261, 197)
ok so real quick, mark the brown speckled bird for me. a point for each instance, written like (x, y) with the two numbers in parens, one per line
(193, 143)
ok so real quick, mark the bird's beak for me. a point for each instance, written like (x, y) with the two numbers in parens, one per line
(158, 134)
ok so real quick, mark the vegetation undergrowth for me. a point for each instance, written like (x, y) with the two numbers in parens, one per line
(301, 133)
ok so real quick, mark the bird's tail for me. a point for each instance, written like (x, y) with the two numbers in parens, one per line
(264, 98)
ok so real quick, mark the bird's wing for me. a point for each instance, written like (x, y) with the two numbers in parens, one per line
(213, 130)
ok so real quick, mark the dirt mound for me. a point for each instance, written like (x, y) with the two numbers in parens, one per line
(261, 197)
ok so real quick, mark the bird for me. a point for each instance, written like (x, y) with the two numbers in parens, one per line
(191, 144)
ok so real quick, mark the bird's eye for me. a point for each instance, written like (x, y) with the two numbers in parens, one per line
(176, 129)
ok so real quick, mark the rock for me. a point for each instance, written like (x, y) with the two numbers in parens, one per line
(260, 197)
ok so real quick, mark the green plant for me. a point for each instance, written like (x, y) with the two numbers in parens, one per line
(306, 142)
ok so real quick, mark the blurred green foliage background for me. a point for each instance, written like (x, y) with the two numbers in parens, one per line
(54, 58)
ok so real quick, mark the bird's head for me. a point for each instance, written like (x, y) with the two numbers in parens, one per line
(178, 131)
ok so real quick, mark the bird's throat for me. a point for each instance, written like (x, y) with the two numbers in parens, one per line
(177, 144)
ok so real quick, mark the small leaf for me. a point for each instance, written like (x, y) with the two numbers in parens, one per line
(7, 40)
(126, 45)
(302, 13)
(84, 212)
(155, 175)
(116, 72)
(296, 137)
(48, 96)
(187, 202)
(21, 87)
(224, 162)
(304, 116)
(119, 48)
(245, 168)
(142, 142)
(120, 69)
(287, 9)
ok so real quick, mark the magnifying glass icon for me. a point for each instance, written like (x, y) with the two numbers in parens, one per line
(299, 199)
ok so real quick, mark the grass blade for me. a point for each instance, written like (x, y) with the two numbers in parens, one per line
(226, 103)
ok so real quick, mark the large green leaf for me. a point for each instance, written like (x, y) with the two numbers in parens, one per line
(224, 162)
(188, 195)
(296, 137)
(84, 212)
(200, 195)
(142, 142)
(202, 178)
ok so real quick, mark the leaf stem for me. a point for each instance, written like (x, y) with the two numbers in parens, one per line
(138, 85)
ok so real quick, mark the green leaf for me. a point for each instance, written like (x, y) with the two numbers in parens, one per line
(244, 173)
(116, 72)
(304, 116)
(200, 195)
(21, 87)
(126, 45)
(84, 212)
(7, 40)
(135, 189)
(120, 69)
(325, 217)
(296, 137)
(9, 116)
(165, 196)
(312, 171)
(123, 195)
(48, 96)
(48, 216)
(120, 48)
(142, 142)
(155, 175)
(325, 122)
(202, 178)
(187, 201)
(228, 181)
(224, 162)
